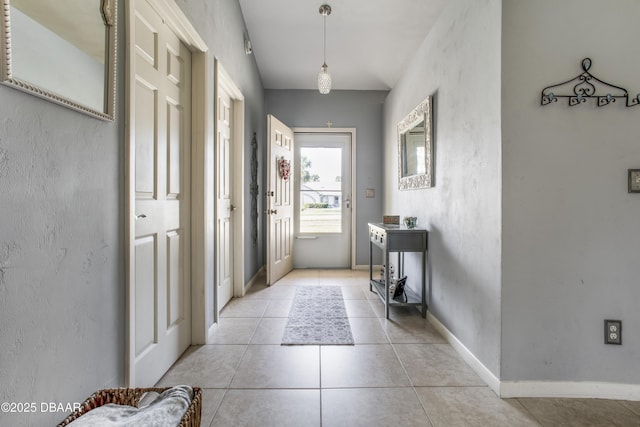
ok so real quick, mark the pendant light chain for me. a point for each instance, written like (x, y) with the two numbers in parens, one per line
(324, 52)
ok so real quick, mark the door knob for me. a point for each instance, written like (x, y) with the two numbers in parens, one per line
(271, 211)
(269, 194)
(232, 208)
(141, 216)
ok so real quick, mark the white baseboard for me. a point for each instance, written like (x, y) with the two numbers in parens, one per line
(487, 376)
(366, 267)
(557, 389)
(254, 279)
(582, 389)
(211, 332)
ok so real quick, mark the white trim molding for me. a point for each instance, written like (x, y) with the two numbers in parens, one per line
(483, 372)
(224, 80)
(354, 207)
(570, 389)
(260, 274)
(551, 389)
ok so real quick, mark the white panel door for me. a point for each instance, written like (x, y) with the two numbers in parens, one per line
(323, 200)
(224, 189)
(160, 297)
(279, 200)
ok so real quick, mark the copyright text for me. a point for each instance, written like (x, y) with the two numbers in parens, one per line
(41, 407)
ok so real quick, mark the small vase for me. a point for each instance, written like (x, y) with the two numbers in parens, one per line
(410, 221)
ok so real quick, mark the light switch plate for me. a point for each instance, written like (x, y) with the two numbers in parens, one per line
(370, 193)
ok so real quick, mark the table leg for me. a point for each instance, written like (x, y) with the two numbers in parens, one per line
(387, 281)
(424, 284)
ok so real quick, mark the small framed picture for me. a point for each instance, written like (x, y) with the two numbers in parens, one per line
(634, 180)
(391, 219)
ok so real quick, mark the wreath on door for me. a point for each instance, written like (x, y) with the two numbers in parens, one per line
(284, 166)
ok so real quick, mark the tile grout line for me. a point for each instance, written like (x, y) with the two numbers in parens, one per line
(245, 351)
(413, 387)
(527, 410)
(226, 390)
(404, 369)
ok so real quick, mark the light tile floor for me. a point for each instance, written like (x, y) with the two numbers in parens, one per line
(400, 372)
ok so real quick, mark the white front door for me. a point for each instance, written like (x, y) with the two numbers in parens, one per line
(280, 168)
(224, 189)
(159, 153)
(323, 200)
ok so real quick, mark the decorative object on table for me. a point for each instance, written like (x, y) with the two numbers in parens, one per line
(410, 221)
(415, 148)
(382, 270)
(318, 317)
(586, 86)
(634, 180)
(398, 288)
(391, 219)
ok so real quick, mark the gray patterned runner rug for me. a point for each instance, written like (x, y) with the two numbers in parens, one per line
(318, 316)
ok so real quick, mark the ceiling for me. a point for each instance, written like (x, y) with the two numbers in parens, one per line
(369, 42)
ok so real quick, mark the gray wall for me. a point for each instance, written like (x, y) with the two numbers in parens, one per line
(61, 231)
(221, 24)
(61, 253)
(359, 109)
(459, 62)
(571, 235)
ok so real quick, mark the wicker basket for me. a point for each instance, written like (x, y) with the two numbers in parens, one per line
(131, 397)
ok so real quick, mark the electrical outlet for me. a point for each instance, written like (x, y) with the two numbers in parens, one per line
(613, 332)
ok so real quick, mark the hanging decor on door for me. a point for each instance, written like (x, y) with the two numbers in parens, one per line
(254, 190)
(284, 166)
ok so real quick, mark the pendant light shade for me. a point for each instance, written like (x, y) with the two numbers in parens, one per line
(324, 80)
(324, 76)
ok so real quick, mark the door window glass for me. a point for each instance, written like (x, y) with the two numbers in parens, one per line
(320, 190)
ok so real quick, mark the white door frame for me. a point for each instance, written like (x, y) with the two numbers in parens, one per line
(222, 79)
(351, 131)
(201, 170)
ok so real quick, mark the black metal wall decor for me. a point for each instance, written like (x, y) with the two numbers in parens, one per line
(586, 86)
(253, 189)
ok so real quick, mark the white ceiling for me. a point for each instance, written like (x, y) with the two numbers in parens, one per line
(369, 42)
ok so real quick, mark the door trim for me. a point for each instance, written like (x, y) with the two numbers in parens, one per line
(354, 197)
(201, 134)
(223, 79)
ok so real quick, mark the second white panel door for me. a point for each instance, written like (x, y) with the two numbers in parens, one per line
(323, 200)
(224, 190)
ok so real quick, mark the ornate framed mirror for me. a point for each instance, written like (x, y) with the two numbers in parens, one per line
(63, 51)
(415, 148)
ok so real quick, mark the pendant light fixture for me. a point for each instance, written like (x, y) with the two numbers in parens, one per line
(324, 76)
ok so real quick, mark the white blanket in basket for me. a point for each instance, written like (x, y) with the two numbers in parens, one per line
(166, 410)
